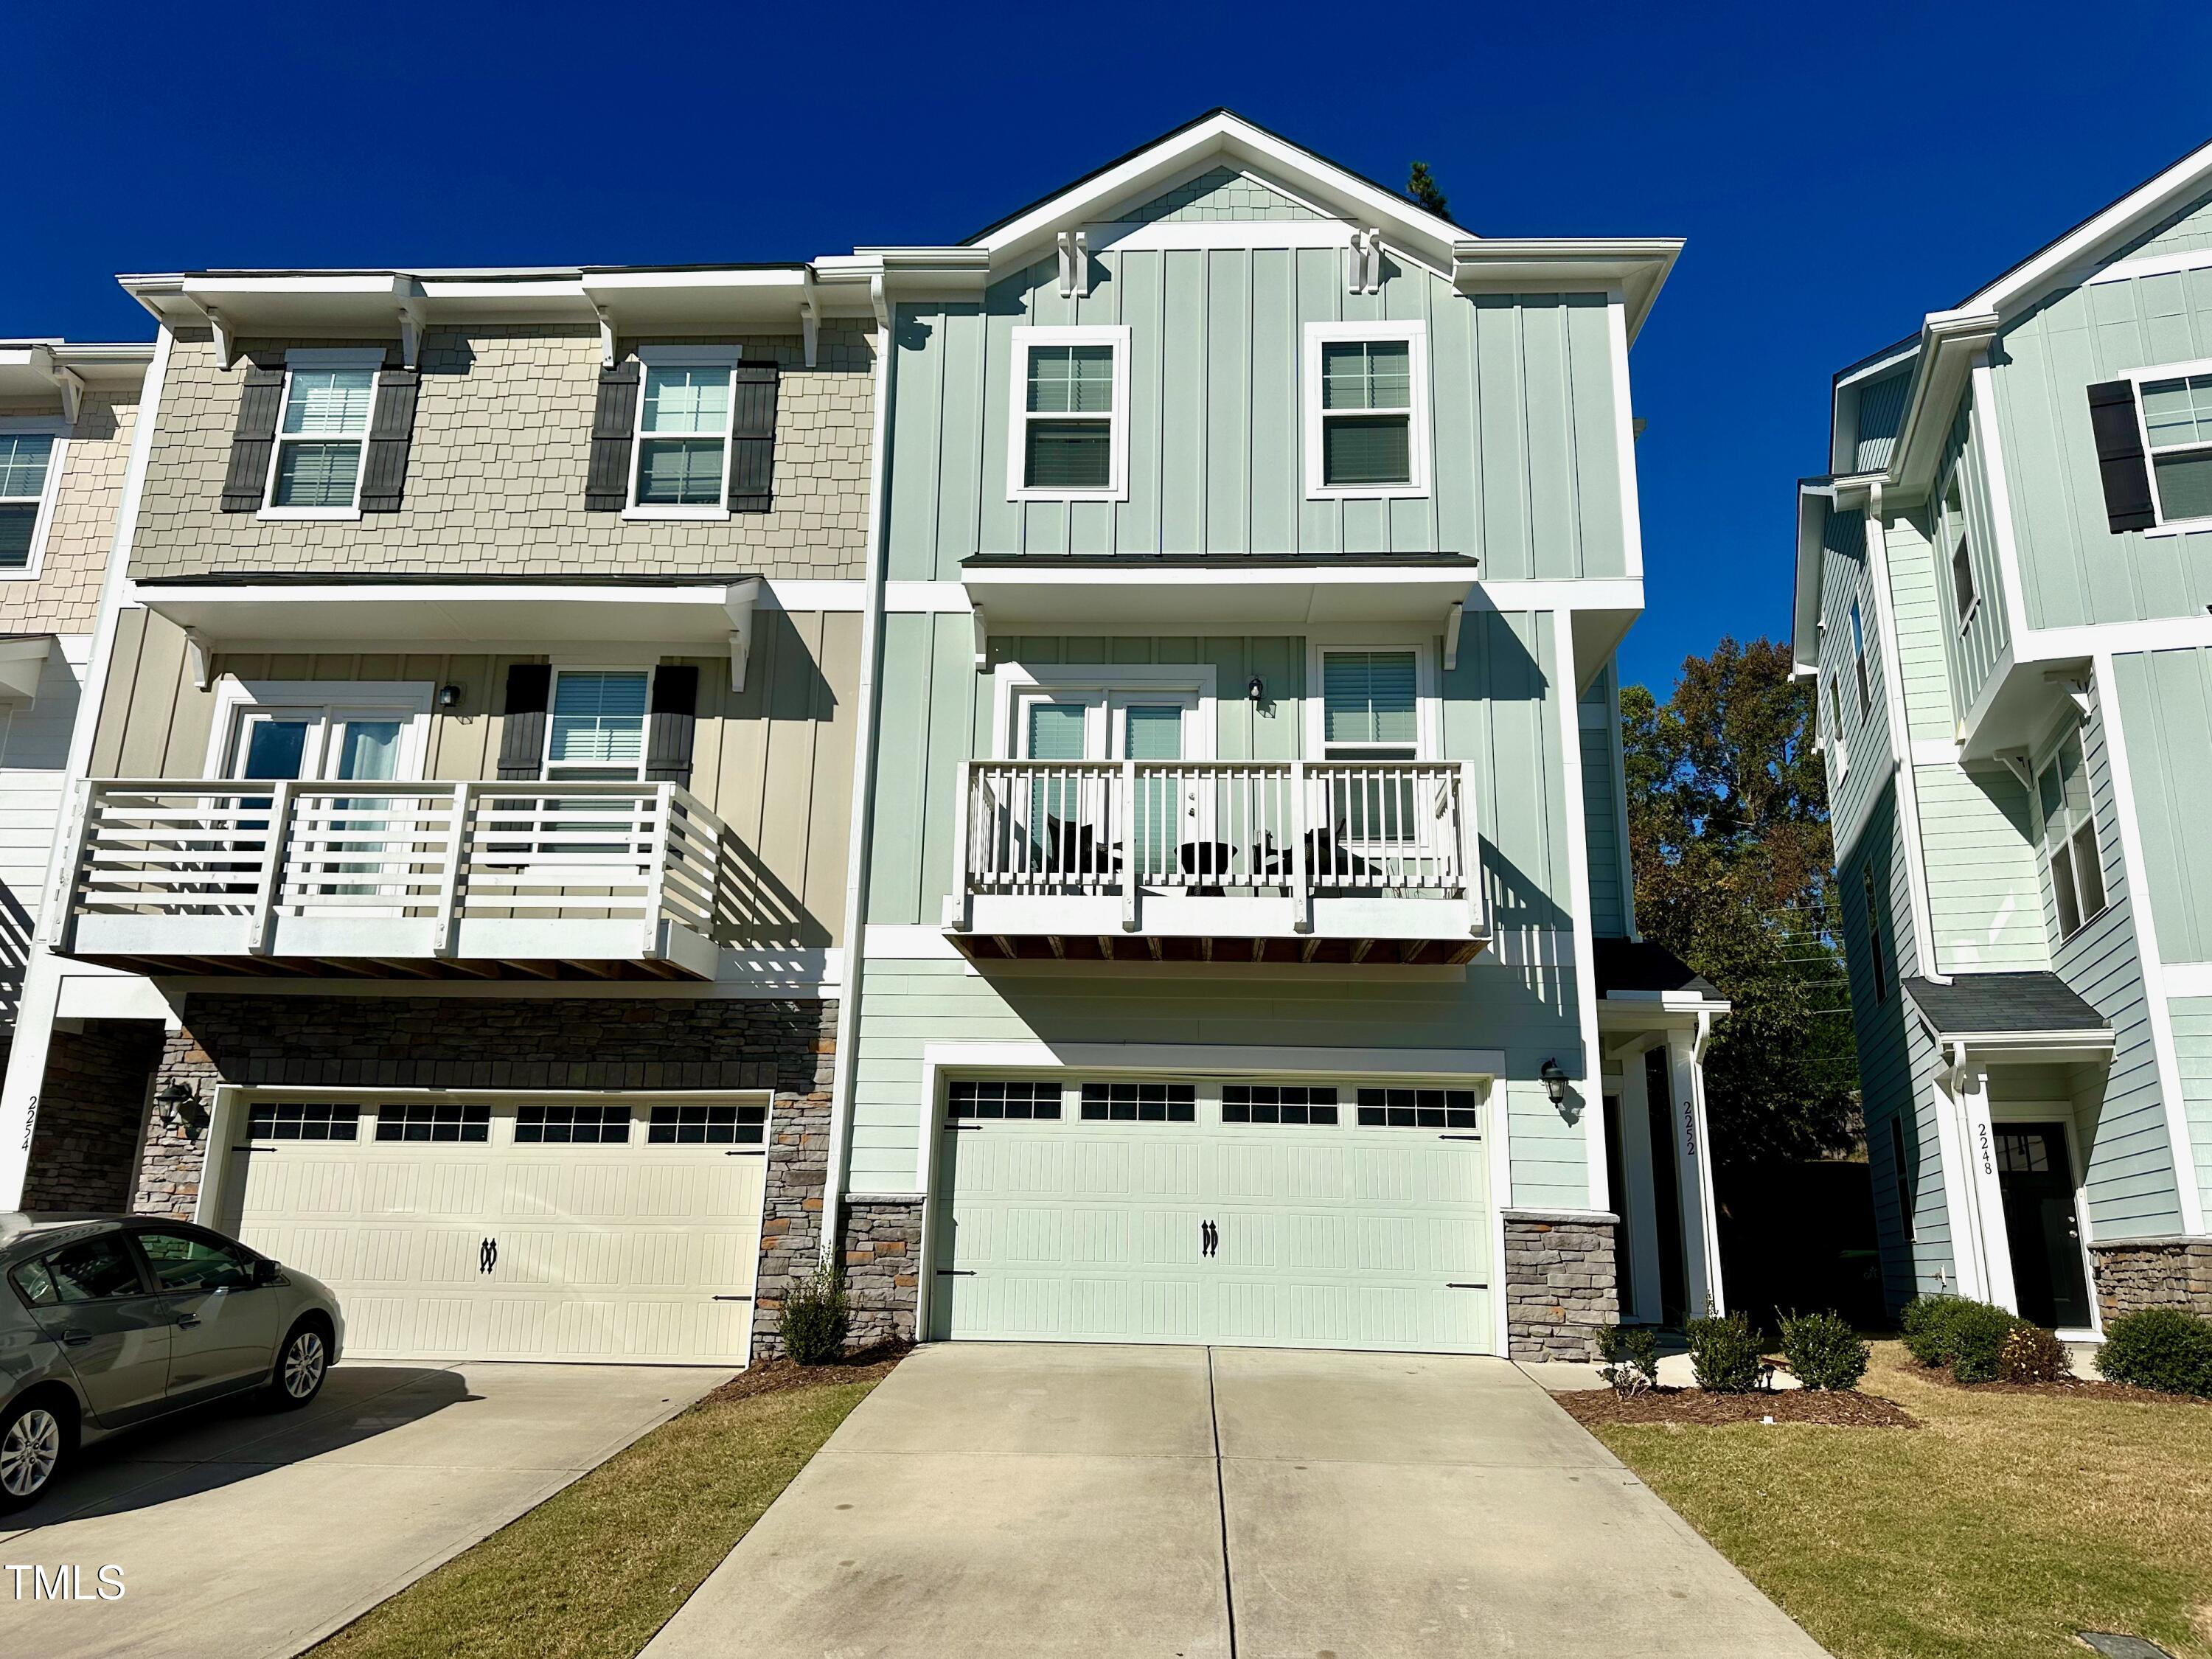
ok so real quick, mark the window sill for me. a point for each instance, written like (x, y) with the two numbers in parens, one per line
(675, 515)
(1973, 610)
(2179, 527)
(1067, 494)
(1368, 493)
(308, 515)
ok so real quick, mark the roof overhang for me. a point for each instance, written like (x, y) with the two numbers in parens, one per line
(55, 373)
(2026, 1048)
(702, 618)
(1638, 266)
(1207, 595)
(22, 665)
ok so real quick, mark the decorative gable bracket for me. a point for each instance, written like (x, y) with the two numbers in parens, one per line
(1074, 264)
(1363, 262)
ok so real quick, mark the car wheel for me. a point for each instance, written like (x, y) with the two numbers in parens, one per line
(33, 1443)
(301, 1365)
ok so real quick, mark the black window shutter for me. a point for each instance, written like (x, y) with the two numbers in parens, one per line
(671, 717)
(251, 439)
(522, 737)
(2120, 459)
(752, 437)
(614, 427)
(390, 430)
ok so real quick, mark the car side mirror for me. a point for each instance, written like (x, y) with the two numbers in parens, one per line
(265, 1271)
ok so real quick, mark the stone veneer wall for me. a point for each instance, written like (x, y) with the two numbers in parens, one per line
(91, 1103)
(2153, 1273)
(1561, 1286)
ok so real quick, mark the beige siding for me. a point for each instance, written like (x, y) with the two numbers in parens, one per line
(775, 761)
(63, 598)
(496, 476)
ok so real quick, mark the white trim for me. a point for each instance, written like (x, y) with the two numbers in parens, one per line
(334, 700)
(1021, 341)
(2196, 369)
(1219, 1060)
(1131, 236)
(1428, 709)
(1415, 334)
(1012, 681)
(2168, 190)
(318, 359)
(1935, 751)
(726, 357)
(1589, 1080)
(2152, 264)
(2188, 979)
(1631, 510)
(2187, 1189)
(42, 516)
(2012, 595)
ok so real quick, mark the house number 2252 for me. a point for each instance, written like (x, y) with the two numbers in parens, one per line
(1689, 1130)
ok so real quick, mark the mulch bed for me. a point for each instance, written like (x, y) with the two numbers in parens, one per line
(2072, 1388)
(1833, 1407)
(781, 1375)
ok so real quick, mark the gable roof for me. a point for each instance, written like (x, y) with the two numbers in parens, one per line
(2024, 1004)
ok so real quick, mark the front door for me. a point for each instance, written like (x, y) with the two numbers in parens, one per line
(2042, 1226)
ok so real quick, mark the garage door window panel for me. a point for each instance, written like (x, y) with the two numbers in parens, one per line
(1139, 1103)
(978, 1099)
(1278, 1103)
(707, 1126)
(571, 1126)
(1417, 1108)
(303, 1120)
(441, 1120)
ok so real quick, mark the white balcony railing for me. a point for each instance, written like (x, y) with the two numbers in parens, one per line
(1300, 830)
(568, 870)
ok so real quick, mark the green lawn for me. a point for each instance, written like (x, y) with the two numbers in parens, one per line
(1999, 1528)
(596, 1569)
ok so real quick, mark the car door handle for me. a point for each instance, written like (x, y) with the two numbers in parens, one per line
(185, 1322)
(76, 1339)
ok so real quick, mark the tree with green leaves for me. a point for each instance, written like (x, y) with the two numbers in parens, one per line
(1421, 185)
(1728, 817)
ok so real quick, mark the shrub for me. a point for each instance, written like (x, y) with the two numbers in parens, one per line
(1927, 1324)
(1977, 1336)
(1725, 1354)
(1630, 1356)
(2160, 1348)
(1823, 1351)
(815, 1316)
(2031, 1354)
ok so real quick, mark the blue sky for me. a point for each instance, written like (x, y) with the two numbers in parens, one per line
(1835, 177)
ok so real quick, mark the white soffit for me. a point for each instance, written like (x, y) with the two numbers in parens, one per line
(23, 664)
(394, 615)
(1201, 598)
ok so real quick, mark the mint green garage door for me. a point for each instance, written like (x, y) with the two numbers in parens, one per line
(1241, 1214)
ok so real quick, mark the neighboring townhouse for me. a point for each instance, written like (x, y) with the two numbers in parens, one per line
(66, 415)
(454, 896)
(1249, 954)
(2002, 594)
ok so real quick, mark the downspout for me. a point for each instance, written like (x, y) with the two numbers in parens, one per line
(26, 1060)
(864, 792)
(1709, 1201)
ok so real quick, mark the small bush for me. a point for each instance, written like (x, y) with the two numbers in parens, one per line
(2031, 1354)
(815, 1316)
(1630, 1356)
(2160, 1348)
(1823, 1351)
(1927, 1325)
(1978, 1333)
(1725, 1354)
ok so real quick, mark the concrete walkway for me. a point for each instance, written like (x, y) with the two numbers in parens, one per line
(252, 1534)
(992, 1499)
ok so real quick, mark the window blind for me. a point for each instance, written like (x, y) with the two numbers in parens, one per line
(598, 719)
(1367, 696)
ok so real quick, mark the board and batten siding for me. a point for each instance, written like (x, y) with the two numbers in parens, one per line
(774, 761)
(2074, 569)
(1601, 787)
(2129, 1180)
(2165, 704)
(1522, 408)
(1843, 578)
(1973, 649)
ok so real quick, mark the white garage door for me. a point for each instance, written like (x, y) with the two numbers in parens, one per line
(623, 1231)
(1262, 1215)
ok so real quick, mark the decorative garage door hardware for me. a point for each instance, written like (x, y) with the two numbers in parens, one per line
(733, 1298)
(1209, 1238)
(487, 1255)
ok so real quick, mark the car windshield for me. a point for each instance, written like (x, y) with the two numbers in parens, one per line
(94, 1270)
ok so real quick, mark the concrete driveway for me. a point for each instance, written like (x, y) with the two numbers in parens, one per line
(993, 1499)
(247, 1534)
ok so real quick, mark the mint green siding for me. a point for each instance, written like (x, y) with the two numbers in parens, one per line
(1880, 411)
(1984, 899)
(1920, 614)
(2184, 231)
(1220, 193)
(1521, 399)
(1972, 648)
(2192, 1047)
(1866, 736)
(1602, 785)
(2165, 700)
(2073, 569)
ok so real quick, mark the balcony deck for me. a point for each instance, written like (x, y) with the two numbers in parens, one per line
(383, 880)
(1269, 861)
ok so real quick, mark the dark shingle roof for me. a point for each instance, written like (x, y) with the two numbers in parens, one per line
(1627, 964)
(2003, 1005)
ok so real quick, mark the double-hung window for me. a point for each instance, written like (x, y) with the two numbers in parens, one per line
(2070, 837)
(26, 460)
(598, 729)
(1068, 423)
(322, 433)
(2177, 416)
(1370, 711)
(1963, 596)
(680, 464)
(1877, 965)
(1841, 749)
(1366, 409)
(1859, 661)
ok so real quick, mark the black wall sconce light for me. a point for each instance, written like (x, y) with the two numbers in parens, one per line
(449, 697)
(1555, 1081)
(181, 1110)
(1257, 690)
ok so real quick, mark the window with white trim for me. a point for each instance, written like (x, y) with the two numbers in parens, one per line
(2177, 416)
(1841, 750)
(1900, 1166)
(1859, 661)
(1068, 427)
(26, 458)
(681, 461)
(2070, 837)
(1963, 596)
(1366, 409)
(1370, 704)
(596, 731)
(1876, 962)
(322, 433)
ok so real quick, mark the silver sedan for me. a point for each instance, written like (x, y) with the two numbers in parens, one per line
(110, 1321)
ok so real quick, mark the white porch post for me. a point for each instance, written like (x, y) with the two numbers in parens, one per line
(1639, 1202)
(1984, 1199)
(1686, 1112)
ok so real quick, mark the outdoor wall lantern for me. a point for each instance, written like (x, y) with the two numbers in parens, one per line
(1257, 690)
(1555, 1081)
(180, 1108)
(449, 697)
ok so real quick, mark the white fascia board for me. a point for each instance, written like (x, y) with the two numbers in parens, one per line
(1951, 340)
(1875, 367)
(1814, 503)
(1202, 597)
(2155, 198)
(1638, 265)
(702, 615)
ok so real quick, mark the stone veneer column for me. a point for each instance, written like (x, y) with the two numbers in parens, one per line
(92, 1102)
(2153, 1273)
(1561, 1286)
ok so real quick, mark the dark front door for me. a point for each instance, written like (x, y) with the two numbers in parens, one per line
(1666, 1190)
(2036, 1177)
